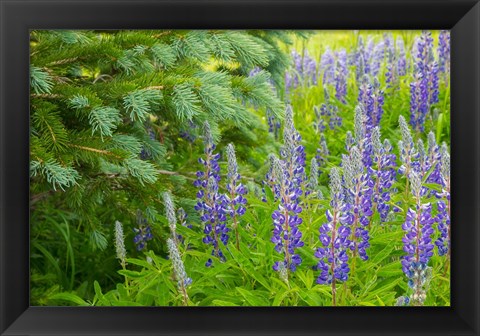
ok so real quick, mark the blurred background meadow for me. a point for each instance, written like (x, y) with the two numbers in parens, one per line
(240, 168)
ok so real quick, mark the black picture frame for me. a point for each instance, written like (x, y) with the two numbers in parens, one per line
(17, 17)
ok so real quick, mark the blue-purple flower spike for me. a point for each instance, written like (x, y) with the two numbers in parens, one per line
(341, 76)
(444, 54)
(384, 174)
(211, 205)
(286, 234)
(333, 263)
(236, 190)
(417, 242)
(143, 232)
(443, 206)
(424, 88)
(358, 196)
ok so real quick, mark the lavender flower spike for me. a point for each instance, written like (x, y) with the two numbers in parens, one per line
(443, 215)
(183, 281)
(170, 212)
(417, 243)
(120, 244)
(212, 206)
(236, 191)
(286, 235)
(333, 263)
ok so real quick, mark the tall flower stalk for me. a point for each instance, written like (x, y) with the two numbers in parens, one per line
(424, 87)
(384, 174)
(212, 206)
(286, 235)
(181, 277)
(333, 263)
(236, 190)
(443, 213)
(358, 189)
(417, 243)
(407, 152)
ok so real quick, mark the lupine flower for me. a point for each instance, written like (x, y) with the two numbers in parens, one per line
(349, 141)
(402, 59)
(362, 129)
(143, 232)
(293, 153)
(236, 191)
(212, 206)
(312, 185)
(424, 88)
(371, 98)
(417, 241)
(358, 196)
(120, 244)
(182, 218)
(304, 71)
(322, 152)
(377, 58)
(444, 53)
(333, 263)
(395, 60)
(327, 67)
(443, 206)
(183, 281)
(341, 75)
(384, 174)
(406, 148)
(170, 213)
(286, 235)
(327, 113)
(273, 124)
(283, 272)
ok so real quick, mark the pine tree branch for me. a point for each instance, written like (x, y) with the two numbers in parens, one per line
(96, 150)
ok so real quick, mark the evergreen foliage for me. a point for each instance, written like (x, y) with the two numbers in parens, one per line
(106, 109)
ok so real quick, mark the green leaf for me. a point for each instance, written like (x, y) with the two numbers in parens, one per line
(69, 297)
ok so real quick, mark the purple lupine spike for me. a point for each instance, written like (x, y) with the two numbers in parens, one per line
(309, 69)
(365, 98)
(444, 51)
(333, 263)
(377, 58)
(444, 54)
(443, 206)
(402, 59)
(293, 153)
(359, 59)
(143, 232)
(392, 65)
(385, 162)
(327, 67)
(417, 241)
(273, 124)
(312, 184)
(322, 152)
(211, 205)
(286, 234)
(236, 190)
(424, 88)
(370, 96)
(359, 192)
(341, 75)
(363, 127)
(406, 148)
(378, 100)
(349, 141)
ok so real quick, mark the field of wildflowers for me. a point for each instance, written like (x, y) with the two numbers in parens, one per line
(341, 200)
